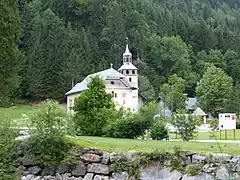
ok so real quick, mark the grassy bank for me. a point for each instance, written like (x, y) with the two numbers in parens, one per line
(112, 144)
(207, 135)
(16, 114)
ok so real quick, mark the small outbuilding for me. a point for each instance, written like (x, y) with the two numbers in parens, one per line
(199, 112)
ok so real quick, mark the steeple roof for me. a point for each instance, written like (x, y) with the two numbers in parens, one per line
(127, 67)
(127, 52)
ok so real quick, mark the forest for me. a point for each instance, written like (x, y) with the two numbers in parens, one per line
(60, 42)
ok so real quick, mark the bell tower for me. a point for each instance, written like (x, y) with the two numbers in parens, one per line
(131, 73)
(128, 69)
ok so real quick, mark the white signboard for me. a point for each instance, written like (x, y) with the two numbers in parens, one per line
(227, 121)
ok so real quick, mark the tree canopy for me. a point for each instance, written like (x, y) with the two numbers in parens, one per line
(93, 108)
(63, 41)
(214, 89)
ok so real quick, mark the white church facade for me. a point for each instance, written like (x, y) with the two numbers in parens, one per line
(123, 84)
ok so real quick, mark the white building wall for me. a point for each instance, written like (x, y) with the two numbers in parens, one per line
(71, 101)
(122, 97)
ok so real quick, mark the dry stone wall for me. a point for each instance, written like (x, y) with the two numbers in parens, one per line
(94, 164)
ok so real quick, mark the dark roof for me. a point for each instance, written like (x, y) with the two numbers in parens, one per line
(191, 103)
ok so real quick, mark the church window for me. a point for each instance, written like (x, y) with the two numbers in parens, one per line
(133, 72)
(112, 82)
(127, 71)
(115, 95)
(130, 79)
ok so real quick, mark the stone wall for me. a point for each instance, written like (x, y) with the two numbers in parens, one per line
(94, 164)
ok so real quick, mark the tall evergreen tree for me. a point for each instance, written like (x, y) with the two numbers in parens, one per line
(10, 57)
(48, 49)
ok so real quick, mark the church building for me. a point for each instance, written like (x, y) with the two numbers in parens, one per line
(123, 84)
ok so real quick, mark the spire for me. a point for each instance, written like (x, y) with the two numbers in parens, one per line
(127, 56)
(111, 65)
(127, 52)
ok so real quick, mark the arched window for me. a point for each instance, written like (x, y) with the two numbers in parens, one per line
(127, 71)
(130, 79)
(133, 72)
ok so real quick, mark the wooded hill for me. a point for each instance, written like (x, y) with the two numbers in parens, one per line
(65, 40)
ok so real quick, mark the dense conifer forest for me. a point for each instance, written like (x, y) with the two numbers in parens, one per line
(62, 41)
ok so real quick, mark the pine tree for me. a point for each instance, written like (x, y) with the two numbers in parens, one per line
(46, 56)
(10, 57)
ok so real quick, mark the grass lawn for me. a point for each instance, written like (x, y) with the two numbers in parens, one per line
(15, 114)
(206, 135)
(112, 144)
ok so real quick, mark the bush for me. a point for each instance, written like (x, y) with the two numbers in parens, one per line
(8, 150)
(128, 125)
(159, 130)
(214, 123)
(50, 125)
(177, 158)
(238, 123)
(186, 124)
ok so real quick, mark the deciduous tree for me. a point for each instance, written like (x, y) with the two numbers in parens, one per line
(93, 108)
(214, 89)
(172, 92)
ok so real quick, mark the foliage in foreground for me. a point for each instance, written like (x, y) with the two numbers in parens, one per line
(93, 108)
(186, 124)
(50, 125)
(159, 130)
(214, 123)
(8, 155)
(129, 125)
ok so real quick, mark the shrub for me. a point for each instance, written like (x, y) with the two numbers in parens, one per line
(238, 123)
(177, 158)
(159, 130)
(93, 108)
(123, 164)
(214, 123)
(8, 150)
(128, 125)
(193, 169)
(145, 115)
(50, 125)
(186, 124)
